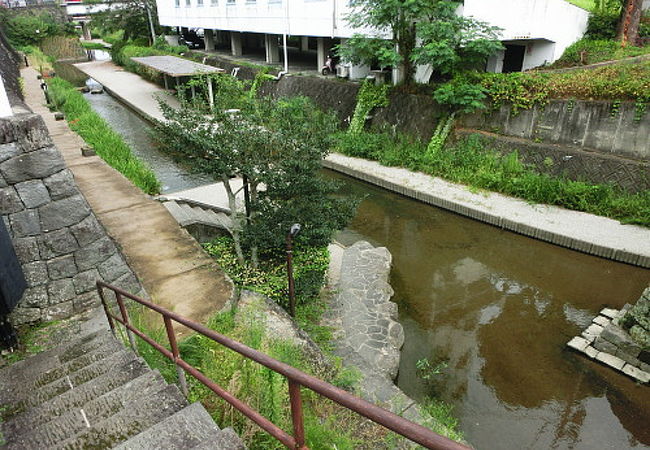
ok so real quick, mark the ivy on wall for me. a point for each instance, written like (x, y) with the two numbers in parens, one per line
(370, 96)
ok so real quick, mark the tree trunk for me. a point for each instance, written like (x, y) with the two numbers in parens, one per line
(628, 24)
(405, 46)
(253, 193)
(234, 218)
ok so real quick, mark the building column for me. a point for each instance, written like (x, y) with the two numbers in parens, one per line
(321, 53)
(208, 35)
(304, 43)
(272, 49)
(235, 43)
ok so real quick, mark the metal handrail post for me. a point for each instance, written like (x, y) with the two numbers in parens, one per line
(125, 317)
(109, 317)
(172, 342)
(296, 414)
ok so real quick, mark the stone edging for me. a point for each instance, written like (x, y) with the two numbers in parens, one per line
(508, 214)
(604, 341)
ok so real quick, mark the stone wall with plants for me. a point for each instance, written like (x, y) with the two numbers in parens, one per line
(62, 248)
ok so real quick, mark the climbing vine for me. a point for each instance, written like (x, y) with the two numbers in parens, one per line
(370, 96)
(445, 124)
(261, 76)
(639, 110)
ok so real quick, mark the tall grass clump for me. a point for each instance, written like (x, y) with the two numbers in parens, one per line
(470, 161)
(108, 144)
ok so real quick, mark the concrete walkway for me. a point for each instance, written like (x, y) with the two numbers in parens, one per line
(170, 264)
(131, 89)
(580, 231)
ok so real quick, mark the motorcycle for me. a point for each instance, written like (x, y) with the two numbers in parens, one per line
(329, 67)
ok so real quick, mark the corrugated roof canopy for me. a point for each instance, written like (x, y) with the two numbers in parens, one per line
(175, 67)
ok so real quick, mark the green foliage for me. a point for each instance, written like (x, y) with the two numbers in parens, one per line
(471, 162)
(421, 32)
(270, 278)
(24, 30)
(440, 135)
(98, 134)
(38, 59)
(524, 90)
(93, 46)
(130, 17)
(261, 76)
(370, 96)
(63, 47)
(602, 26)
(428, 371)
(444, 421)
(462, 94)
(587, 51)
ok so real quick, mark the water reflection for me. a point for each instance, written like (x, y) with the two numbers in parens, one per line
(499, 308)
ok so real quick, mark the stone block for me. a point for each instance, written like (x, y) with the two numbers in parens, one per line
(35, 297)
(26, 249)
(63, 213)
(591, 352)
(3, 183)
(60, 291)
(35, 273)
(617, 336)
(88, 230)
(56, 243)
(636, 373)
(61, 267)
(610, 360)
(86, 301)
(129, 282)
(8, 151)
(61, 185)
(609, 312)
(85, 281)
(604, 346)
(628, 358)
(113, 268)
(95, 253)
(28, 166)
(594, 329)
(25, 223)
(578, 343)
(602, 321)
(10, 201)
(59, 311)
(21, 316)
(33, 193)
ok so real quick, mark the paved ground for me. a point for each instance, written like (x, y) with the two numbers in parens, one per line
(131, 89)
(576, 230)
(171, 266)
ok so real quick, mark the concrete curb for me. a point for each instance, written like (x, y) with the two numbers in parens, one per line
(503, 219)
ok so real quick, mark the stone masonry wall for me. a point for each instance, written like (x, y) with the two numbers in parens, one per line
(61, 246)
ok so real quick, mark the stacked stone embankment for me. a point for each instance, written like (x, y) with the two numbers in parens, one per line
(62, 248)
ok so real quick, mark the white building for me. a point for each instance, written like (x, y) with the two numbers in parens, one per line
(534, 31)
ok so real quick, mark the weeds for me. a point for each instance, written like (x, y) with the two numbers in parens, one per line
(470, 162)
(98, 134)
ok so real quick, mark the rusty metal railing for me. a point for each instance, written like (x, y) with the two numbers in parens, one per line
(295, 378)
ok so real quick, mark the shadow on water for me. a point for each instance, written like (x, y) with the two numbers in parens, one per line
(499, 308)
(135, 131)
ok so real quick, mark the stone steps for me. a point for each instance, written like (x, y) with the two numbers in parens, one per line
(94, 393)
(187, 214)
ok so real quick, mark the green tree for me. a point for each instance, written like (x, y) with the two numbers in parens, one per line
(412, 32)
(135, 17)
(277, 146)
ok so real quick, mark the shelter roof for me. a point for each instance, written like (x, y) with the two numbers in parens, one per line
(174, 66)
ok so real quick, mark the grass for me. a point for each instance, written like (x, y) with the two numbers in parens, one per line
(588, 51)
(327, 425)
(108, 144)
(93, 46)
(38, 59)
(589, 5)
(471, 162)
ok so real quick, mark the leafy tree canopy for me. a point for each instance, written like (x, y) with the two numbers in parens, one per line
(128, 15)
(419, 32)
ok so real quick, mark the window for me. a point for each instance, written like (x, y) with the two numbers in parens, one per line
(214, 2)
(230, 2)
(188, 3)
(199, 2)
(177, 3)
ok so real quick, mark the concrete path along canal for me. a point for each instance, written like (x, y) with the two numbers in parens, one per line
(170, 264)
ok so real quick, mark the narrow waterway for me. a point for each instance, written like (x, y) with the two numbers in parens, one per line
(136, 132)
(496, 308)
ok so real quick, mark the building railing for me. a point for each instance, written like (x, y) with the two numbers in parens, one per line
(296, 379)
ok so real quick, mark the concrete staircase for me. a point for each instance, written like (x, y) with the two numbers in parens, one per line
(94, 393)
(201, 221)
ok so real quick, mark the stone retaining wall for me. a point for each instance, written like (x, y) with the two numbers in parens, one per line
(61, 246)
(572, 162)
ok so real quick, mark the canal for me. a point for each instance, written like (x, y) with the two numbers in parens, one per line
(493, 309)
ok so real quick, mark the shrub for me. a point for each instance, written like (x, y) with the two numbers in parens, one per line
(602, 26)
(30, 30)
(588, 51)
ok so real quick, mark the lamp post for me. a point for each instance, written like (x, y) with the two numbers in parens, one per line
(293, 232)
